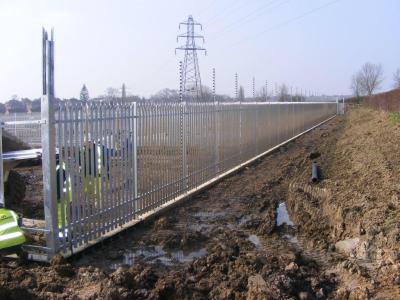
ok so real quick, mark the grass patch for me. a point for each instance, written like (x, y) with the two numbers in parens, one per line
(394, 117)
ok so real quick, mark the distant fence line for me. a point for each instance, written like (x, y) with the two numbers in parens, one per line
(28, 133)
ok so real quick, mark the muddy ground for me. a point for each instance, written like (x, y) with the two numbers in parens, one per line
(263, 233)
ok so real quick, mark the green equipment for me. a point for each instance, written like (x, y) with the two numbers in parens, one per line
(11, 235)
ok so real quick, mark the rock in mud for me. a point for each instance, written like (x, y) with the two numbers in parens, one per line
(304, 296)
(257, 288)
(347, 246)
(292, 267)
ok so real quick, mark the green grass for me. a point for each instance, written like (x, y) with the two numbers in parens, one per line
(394, 117)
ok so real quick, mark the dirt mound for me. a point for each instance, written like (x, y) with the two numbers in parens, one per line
(12, 143)
(359, 211)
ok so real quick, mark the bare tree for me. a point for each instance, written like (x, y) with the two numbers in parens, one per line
(166, 95)
(356, 85)
(370, 78)
(283, 93)
(112, 93)
(262, 94)
(396, 78)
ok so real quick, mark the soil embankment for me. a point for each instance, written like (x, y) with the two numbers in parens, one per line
(339, 240)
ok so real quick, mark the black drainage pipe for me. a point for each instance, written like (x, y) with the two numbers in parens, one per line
(314, 172)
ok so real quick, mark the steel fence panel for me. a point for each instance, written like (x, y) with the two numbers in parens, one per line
(118, 161)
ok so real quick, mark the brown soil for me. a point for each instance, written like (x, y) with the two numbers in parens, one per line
(224, 242)
(12, 143)
(31, 205)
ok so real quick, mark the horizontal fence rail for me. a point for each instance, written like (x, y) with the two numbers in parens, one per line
(116, 162)
(25, 126)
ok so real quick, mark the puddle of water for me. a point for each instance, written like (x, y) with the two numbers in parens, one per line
(208, 214)
(282, 215)
(156, 253)
(181, 257)
(255, 240)
(201, 227)
(243, 220)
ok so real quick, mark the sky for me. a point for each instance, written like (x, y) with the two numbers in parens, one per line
(314, 45)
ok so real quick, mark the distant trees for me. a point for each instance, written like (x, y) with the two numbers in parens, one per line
(283, 93)
(16, 106)
(84, 95)
(206, 94)
(262, 94)
(112, 93)
(241, 94)
(36, 105)
(2, 108)
(298, 98)
(396, 78)
(366, 81)
(167, 95)
(356, 85)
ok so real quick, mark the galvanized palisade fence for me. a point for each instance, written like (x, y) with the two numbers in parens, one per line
(108, 165)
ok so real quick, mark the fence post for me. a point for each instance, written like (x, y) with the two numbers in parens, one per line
(48, 144)
(135, 160)
(337, 106)
(2, 202)
(217, 136)
(15, 124)
(256, 116)
(344, 106)
(183, 131)
(240, 116)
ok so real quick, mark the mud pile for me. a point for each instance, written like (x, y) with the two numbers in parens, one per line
(355, 210)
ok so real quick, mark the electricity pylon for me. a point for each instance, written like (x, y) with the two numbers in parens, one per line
(191, 80)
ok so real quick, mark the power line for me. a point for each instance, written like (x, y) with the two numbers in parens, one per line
(294, 19)
(259, 11)
(211, 4)
(226, 11)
